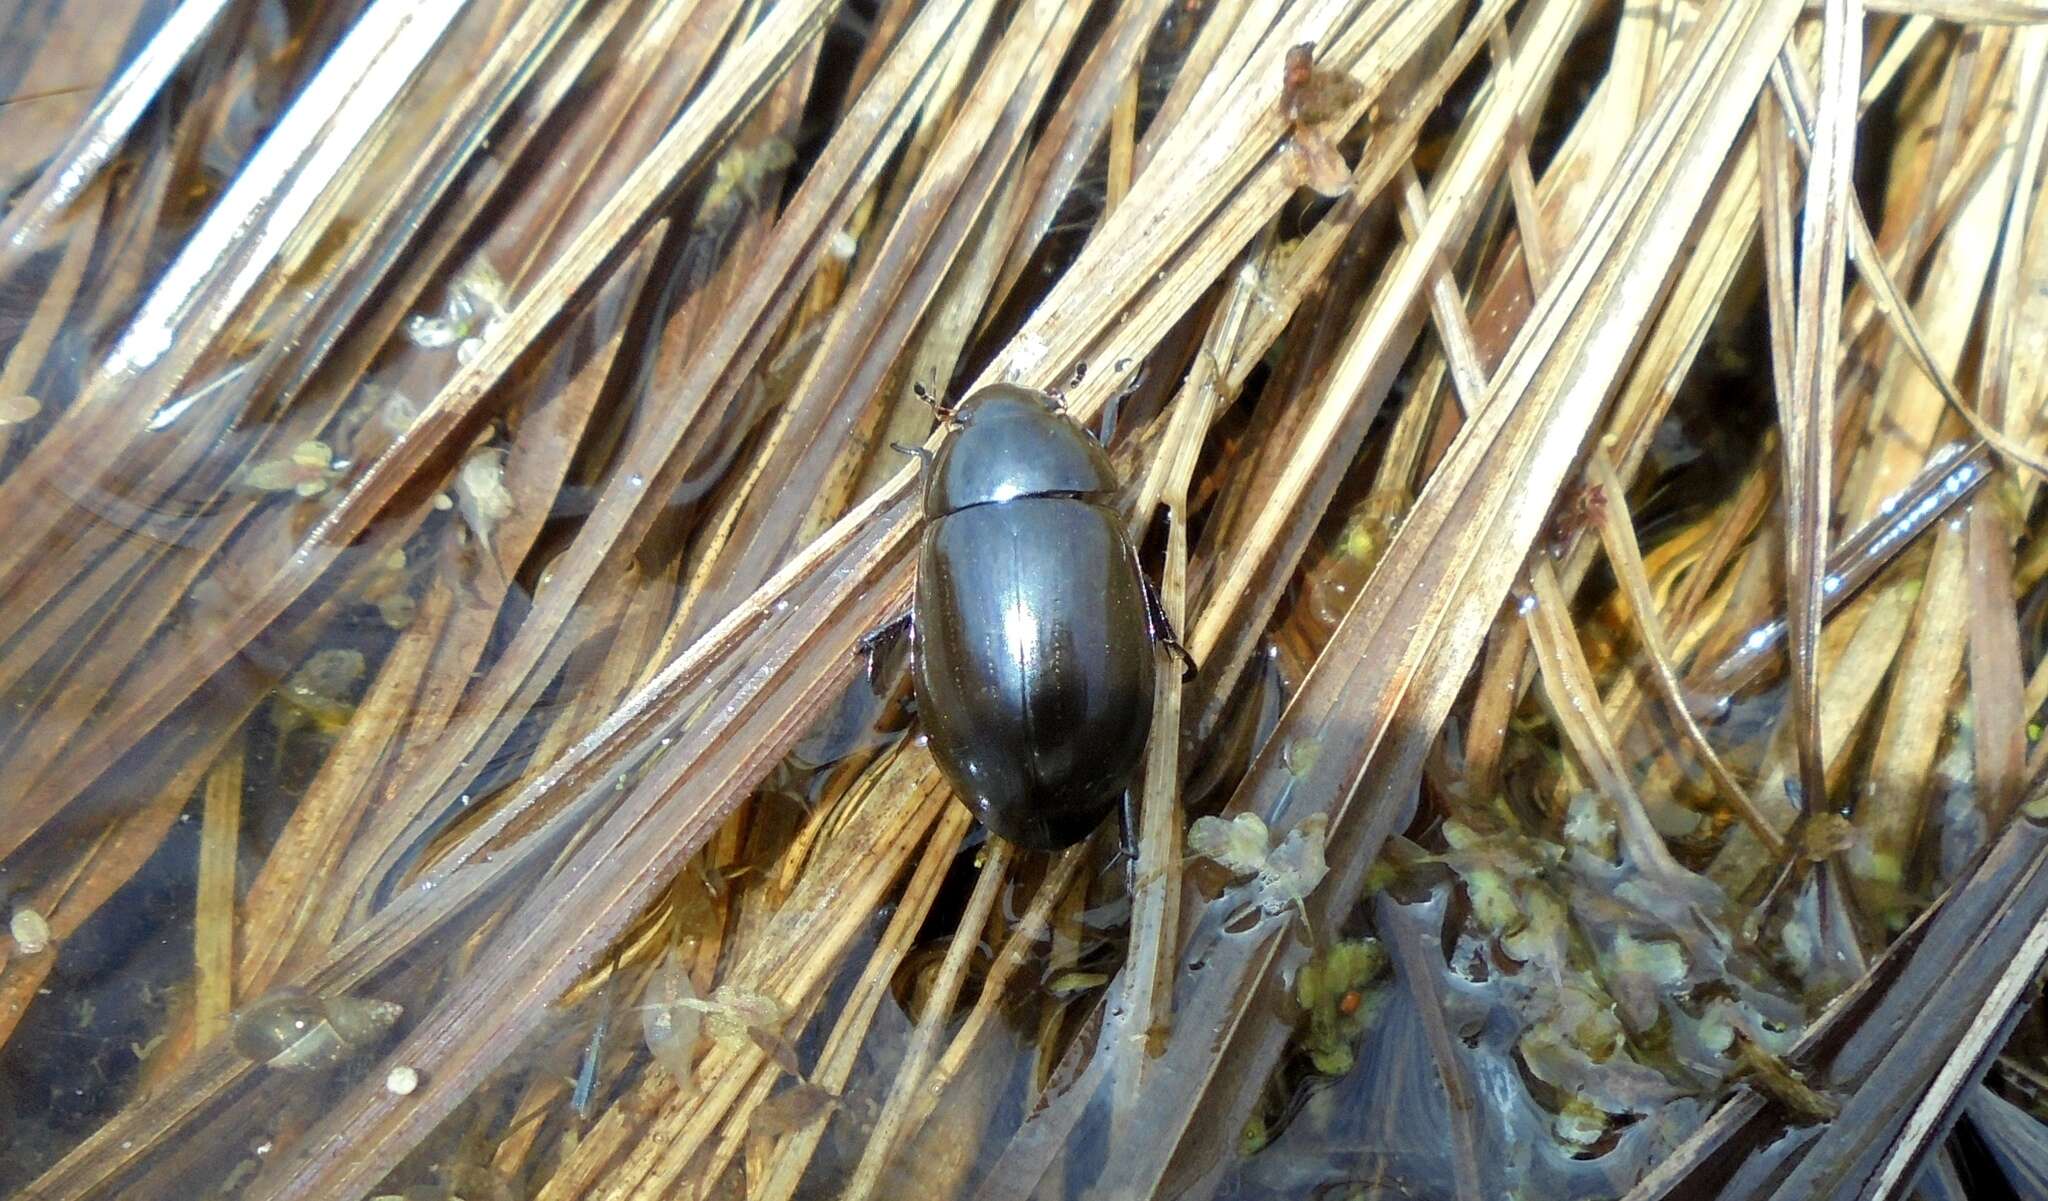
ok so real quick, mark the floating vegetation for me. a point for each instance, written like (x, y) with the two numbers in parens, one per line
(477, 302)
(1335, 988)
(320, 692)
(30, 931)
(1285, 874)
(308, 471)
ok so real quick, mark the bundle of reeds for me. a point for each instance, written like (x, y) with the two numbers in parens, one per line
(1591, 451)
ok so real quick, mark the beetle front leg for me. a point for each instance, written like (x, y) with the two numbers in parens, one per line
(920, 453)
(1133, 380)
(1127, 838)
(878, 642)
(1162, 627)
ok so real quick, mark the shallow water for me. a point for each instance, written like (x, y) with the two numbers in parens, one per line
(439, 764)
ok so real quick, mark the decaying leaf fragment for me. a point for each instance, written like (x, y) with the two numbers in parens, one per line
(1238, 844)
(481, 494)
(319, 692)
(1286, 873)
(737, 1017)
(1314, 100)
(669, 1017)
(388, 588)
(477, 302)
(792, 1109)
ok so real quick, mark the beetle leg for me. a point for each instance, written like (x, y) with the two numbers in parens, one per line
(1115, 404)
(1162, 627)
(1127, 838)
(921, 453)
(879, 641)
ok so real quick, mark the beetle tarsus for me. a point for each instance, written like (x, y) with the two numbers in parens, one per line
(922, 454)
(1127, 839)
(1162, 628)
(1111, 408)
(876, 644)
(1132, 381)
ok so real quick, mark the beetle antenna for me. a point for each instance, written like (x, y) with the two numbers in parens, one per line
(940, 408)
(1059, 393)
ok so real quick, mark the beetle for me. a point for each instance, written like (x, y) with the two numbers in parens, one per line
(1035, 628)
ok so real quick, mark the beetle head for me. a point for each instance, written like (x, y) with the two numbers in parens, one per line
(1013, 441)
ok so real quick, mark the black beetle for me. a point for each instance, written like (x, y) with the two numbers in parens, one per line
(1035, 628)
